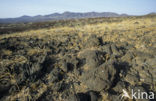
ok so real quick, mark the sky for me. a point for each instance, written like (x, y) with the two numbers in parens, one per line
(17, 8)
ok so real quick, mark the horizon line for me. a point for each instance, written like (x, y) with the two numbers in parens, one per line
(75, 12)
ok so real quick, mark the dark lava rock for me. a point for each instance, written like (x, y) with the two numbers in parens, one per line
(103, 67)
(67, 67)
(13, 89)
(132, 78)
(115, 98)
(5, 84)
(69, 63)
(93, 41)
(100, 78)
(54, 76)
(128, 57)
(120, 85)
(94, 96)
(46, 96)
(107, 49)
(93, 58)
(115, 50)
(88, 96)
(47, 65)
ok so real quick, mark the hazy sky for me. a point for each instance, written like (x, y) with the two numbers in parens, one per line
(16, 8)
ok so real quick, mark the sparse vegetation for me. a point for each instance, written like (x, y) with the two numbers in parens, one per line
(56, 60)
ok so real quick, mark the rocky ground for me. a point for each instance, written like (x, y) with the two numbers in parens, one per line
(70, 67)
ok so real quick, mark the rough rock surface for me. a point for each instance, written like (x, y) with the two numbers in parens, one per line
(68, 69)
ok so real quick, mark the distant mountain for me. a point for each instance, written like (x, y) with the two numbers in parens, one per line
(58, 16)
(153, 13)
